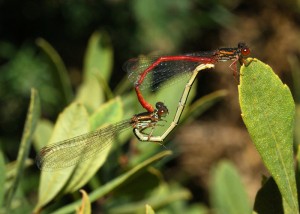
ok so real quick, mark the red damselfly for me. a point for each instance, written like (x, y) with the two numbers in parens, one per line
(164, 67)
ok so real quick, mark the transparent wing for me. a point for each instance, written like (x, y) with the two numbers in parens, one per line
(78, 149)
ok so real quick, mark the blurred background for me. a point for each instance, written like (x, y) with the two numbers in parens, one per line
(270, 28)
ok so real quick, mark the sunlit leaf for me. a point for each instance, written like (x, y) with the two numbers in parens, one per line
(268, 111)
(90, 94)
(109, 113)
(149, 209)
(85, 207)
(42, 133)
(99, 57)
(73, 121)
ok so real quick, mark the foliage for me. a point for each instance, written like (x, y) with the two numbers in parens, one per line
(84, 115)
(131, 180)
(268, 111)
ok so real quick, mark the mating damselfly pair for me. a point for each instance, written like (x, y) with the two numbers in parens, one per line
(81, 148)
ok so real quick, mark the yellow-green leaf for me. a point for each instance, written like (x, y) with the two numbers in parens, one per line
(109, 113)
(42, 134)
(268, 111)
(149, 209)
(90, 94)
(99, 57)
(85, 207)
(73, 121)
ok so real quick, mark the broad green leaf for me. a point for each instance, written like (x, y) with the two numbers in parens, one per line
(85, 207)
(109, 113)
(33, 115)
(42, 134)
(170, 94)
(99, 57)
(2, 177)
(268, 111)
(228, 194)
(73, 121)
(131, 104)
(107, 188)
(149, 209)
(90, 94)
(61, 69)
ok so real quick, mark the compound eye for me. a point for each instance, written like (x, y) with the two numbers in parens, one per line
(163, 112)
(245, 51)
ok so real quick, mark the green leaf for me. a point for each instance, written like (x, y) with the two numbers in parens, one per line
(105, 189)
(90, 94)
(149, 209)
(228, 194)
(131, 104)
(61, 69)
(42, 134)
(33, 115)
(170, 94)
(85, 207)
(73, 121)
(268, 112)
(109, 113)
(2, 177)
(99, 57)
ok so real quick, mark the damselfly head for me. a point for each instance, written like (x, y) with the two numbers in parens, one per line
(225, 54)
(243, 49)
(162, 110)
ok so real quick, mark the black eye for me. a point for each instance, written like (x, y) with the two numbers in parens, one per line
(159, 105)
